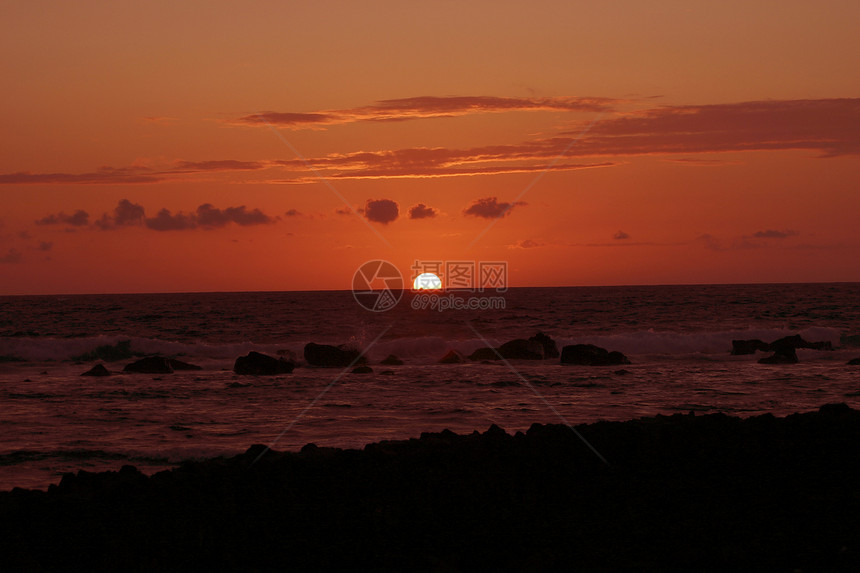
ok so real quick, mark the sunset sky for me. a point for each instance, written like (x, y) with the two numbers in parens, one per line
(225, 146)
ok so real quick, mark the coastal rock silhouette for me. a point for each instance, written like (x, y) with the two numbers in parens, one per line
(591, 355)
(854, 362)
(392, 360)
(257, 364)
(362, 370)
(763, 478)
(97, 370)
(328, 356)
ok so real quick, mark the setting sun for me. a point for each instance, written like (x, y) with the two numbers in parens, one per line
(427, 281)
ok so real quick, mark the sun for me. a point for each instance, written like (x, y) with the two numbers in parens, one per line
(427, 281)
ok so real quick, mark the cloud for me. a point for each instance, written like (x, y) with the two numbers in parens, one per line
(79, 218)
(526, 244)
(422, 211)
(620, 236)
(292, 213)
(45, 245)
(831, 126)
(127, 213)
(490, 208)
(381, 210)
(427, 107)
(218, 165)
(209, 216)
(165, 221)
(774, 234)
(103, 176)
(12, 256)
(343, 211)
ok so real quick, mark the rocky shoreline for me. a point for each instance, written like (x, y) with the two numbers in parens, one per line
(682, 492)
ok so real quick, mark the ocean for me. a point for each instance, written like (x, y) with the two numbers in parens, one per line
(678, 340)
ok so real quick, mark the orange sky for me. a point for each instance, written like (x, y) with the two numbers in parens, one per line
(215, 146)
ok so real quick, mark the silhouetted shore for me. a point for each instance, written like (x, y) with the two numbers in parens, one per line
(684, 492)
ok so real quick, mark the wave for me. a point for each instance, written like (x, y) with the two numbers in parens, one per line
(422, 348)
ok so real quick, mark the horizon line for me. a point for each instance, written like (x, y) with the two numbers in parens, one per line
(620, 285)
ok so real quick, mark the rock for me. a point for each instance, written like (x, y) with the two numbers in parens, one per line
(740, 347)
(786, 355)
(392, 360)
(387, 373)
(520, 349)
(97, 370)
(485, 353)
(329, 356)
(854, 362)
(785, 346)
(622, 372)
(591, 355)
(452, 357)
(179, 365)
(550, 349)
(150, 365)
(537, 347)
(362, 370)
(256, 364)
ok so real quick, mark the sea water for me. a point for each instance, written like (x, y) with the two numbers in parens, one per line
(678, 339)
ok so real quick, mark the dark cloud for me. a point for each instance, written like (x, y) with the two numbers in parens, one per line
(527, 244)
(831, 126)
(12, 256)
(165, 221)
(422, 211)
(128, 213)
(209, 216)
(490, 208)
(219, 165)
(292, 213)
(45, 245)
(104, 175)
(620, 236)
(79, 218)
(343, 211)
(427, 107)
(381, 210)
(774, 234)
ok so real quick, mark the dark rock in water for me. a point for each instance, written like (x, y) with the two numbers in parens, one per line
(854, 362)
(179, 365)
(550, 349)
(239, 385)
(329, 356)
(622, 372)
(591, 355)
(784, 356)
(784, 346)
(97, 370)
(452, 357)
(256, 364)
(387, 373)
(362, 370)
(537, 347)
(485, 353)
(392, 360)
(520, 349)
(150, 365)
(740, 347)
